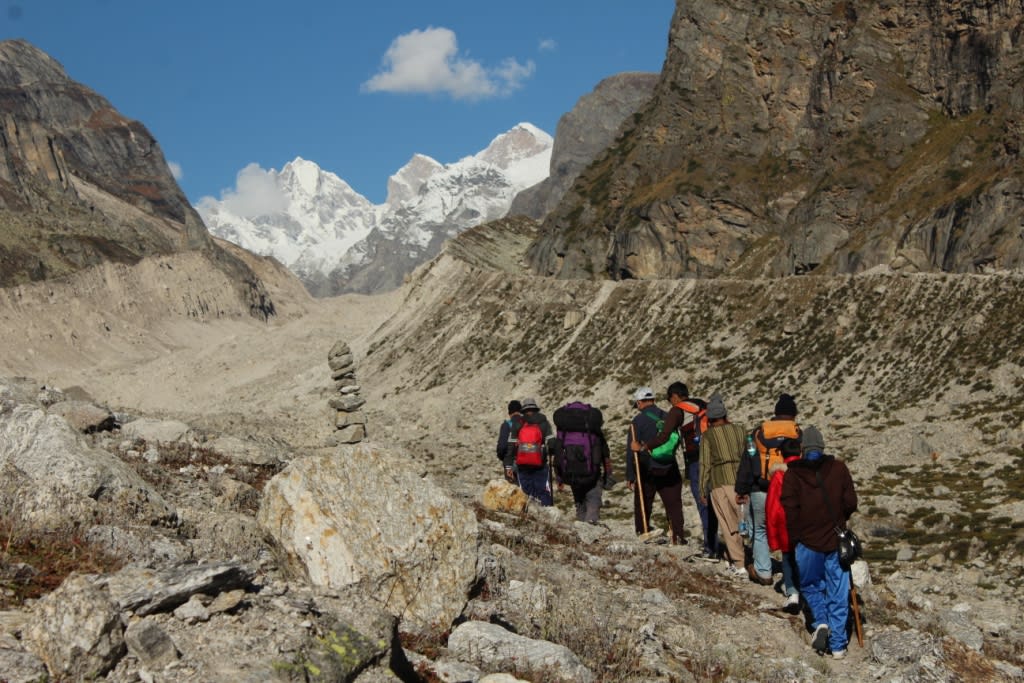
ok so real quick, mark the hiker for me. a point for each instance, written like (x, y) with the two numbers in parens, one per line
(818, 497)
(753, 478)
(529, 458)
(687, 416)
(721, 448)
(580, 457)
(775, 526)
(692, 421)
(509, 426)
(654, 475)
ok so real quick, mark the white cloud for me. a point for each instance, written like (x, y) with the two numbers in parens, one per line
(428, 61)
(256, 193)
(176, 170)
(547, 45)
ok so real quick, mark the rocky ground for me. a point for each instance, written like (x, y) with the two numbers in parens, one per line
(199, 588)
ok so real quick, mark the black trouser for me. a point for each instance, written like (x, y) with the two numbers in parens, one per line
(669, 486)
(587, 497)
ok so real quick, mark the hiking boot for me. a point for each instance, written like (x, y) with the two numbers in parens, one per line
(757, 578)
(792, 605)
(819, 641)
(839, 654)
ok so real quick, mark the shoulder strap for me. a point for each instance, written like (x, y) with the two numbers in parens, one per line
(653, 416)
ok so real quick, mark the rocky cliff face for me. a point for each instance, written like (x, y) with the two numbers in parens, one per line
(582, 134)
(81, 185)
(832, 135)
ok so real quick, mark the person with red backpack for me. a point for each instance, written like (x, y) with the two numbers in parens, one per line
(688, 417)
(530, 457)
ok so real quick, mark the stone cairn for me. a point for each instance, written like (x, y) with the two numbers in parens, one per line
(349, 421)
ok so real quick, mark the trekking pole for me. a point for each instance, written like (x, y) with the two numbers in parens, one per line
(856, 613)
(639, 486)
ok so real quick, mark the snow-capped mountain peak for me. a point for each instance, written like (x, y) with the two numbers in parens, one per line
(336, 240)
(524, 153)
(303, 175)
(406, 183)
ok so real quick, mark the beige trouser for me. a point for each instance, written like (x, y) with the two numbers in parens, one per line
(723, 500)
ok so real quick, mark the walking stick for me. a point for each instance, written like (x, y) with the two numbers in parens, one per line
(639, 486)
(856, 614)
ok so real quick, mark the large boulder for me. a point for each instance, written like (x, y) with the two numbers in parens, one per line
(364, 515)
(494, 648)
(76, 630)
(56, 477)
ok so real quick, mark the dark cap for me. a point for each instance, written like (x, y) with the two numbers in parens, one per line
(514, 407)
(786, 405)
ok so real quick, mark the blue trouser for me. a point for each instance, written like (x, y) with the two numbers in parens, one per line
(708, 520)
(536, 484)
(759, 545)
(826, 590)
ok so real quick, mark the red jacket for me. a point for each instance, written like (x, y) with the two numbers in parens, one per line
(774, 513)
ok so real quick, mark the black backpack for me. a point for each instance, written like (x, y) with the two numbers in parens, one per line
(577, 452)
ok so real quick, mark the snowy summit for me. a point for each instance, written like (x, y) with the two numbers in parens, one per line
(336, 240)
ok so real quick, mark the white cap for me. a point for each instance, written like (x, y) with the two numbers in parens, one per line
(643, 394)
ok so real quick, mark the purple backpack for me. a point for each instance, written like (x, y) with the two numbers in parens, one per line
(576, 458)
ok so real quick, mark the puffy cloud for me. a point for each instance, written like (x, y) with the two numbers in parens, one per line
(547, 45)
(176, 171)
(428, 61)
(256, 193)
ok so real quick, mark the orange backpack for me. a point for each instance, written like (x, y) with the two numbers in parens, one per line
(692, 430)
(768, 438)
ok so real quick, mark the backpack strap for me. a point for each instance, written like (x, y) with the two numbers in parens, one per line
(652, 416)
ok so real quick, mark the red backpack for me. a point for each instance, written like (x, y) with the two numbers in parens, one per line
(528, 448)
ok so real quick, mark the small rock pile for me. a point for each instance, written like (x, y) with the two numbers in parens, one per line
(349, 421)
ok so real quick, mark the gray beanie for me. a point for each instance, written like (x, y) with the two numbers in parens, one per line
(716, 407)
(812, 441)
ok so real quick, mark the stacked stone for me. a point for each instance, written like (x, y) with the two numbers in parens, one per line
(349, 421)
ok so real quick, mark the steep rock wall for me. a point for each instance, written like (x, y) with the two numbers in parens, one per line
(801, 135)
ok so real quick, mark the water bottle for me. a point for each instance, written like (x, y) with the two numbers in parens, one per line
(751, 448)
(744, 527)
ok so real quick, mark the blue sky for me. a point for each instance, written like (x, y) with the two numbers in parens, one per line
(357, 88)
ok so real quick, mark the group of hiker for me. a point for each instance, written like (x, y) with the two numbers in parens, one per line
(772, 488)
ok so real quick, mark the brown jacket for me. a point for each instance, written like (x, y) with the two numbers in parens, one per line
(807, 516)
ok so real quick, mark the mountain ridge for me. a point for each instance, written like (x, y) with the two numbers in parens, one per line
(82, 186)
(337, 241)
